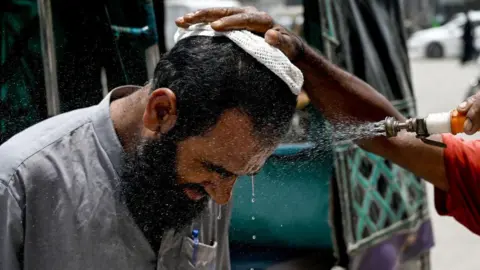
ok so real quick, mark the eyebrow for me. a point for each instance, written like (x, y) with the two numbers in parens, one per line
(223, 171)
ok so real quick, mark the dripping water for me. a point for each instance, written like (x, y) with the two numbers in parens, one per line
(253, 188)
(252, 177)
(219, 216)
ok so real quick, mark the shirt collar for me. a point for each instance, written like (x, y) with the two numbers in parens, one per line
(103, 125)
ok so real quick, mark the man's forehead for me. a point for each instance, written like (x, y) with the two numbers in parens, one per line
(239, 162)
(234, 145)
(233, 127)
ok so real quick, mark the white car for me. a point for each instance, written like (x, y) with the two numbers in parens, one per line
(445, 40)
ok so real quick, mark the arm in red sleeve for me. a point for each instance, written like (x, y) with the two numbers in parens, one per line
(462, 165)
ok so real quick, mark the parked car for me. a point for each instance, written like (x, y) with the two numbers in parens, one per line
(445, 40)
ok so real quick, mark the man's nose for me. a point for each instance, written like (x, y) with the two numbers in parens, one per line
(223, 191)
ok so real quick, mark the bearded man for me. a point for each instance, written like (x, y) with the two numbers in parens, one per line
(121, 185)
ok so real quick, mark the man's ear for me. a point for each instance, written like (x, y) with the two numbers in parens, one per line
(160, 113)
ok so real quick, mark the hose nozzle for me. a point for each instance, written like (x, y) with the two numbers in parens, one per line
(393, 126)
(414, 125)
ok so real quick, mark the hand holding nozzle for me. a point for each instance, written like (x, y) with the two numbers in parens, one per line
(471, 110)
(452, 122)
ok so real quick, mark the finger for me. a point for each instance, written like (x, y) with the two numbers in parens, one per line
(273, 37)
(474, 116)
(282, 41)
(254, 21)
(464, 106)
(206, 15)
(212, 14)
(180, 22)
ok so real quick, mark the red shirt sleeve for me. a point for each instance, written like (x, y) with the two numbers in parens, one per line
(462, 166)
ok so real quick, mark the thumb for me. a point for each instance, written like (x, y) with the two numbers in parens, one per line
(273, 37)
(283, 42)
(464, 106)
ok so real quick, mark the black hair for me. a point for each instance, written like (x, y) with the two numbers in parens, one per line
(212, 74)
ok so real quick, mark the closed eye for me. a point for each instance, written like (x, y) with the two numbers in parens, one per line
(224, 173)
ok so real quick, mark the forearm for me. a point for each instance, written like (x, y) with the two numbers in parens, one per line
(340, 95)
(411, 153)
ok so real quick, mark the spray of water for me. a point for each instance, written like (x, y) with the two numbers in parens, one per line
(344, 131)
(354, 130)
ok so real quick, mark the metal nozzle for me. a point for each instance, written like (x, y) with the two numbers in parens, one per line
(415, 125)
(391, 129)
(393, 126)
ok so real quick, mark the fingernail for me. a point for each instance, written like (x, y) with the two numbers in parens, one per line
(215, 24)
(271, 37)
(270, 40)
(468, 125)
(463, 105)
(179, 20)
(189, 15)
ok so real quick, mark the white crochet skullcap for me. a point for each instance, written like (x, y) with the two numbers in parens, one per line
(256, 46)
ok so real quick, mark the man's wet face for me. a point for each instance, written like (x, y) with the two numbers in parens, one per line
(150, 190)
(166, 184)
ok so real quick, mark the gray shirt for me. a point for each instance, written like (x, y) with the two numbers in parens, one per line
(58, 208)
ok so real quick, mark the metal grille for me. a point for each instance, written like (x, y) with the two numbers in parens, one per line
(377, 197)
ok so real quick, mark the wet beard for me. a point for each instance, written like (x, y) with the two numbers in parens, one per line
(149, 190)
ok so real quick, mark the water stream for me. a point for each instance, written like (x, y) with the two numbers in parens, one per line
(351, 130)
(219, 212)
(253, 199)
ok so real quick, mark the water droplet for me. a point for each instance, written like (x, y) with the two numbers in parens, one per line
(219, 212)
(253, 217)
(254, 237)
(253, 188)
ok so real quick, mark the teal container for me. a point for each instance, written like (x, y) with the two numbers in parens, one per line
(291, 196)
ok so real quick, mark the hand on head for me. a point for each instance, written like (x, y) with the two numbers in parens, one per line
(471, 108)
(247, 18)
